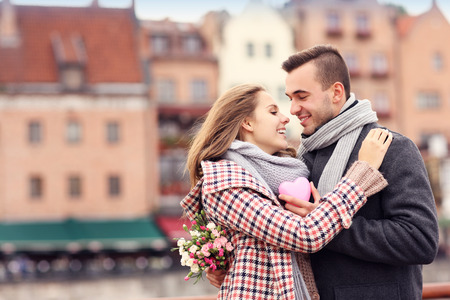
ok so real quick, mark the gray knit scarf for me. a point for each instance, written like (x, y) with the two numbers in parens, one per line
(269, 169)
(343, 129)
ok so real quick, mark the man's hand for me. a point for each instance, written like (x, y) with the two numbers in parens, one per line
(301, 207)
(216, 277)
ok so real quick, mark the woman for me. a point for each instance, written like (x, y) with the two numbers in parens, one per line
(236, 163)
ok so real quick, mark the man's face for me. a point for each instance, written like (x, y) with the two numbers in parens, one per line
(312, 106)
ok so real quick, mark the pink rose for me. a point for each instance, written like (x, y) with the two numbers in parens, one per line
(229, 247)
(205, 250)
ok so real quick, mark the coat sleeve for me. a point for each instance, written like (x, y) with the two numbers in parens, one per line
(406, 232)
(246, 211)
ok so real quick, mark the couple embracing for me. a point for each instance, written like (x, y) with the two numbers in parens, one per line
(370, 224)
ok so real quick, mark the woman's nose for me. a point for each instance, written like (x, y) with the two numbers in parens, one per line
(284, 119)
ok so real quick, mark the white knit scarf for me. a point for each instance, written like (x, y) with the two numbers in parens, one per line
(343, 129)
(269, 169)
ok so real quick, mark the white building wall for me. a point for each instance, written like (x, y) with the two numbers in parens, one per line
(260, 25)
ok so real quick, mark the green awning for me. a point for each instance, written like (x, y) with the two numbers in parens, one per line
(75, 235)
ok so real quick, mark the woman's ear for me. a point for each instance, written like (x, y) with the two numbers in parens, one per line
(247, 125)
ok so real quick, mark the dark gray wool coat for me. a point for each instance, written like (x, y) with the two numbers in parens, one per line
(381, 255)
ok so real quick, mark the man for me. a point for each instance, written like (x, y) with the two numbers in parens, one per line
(380, 255)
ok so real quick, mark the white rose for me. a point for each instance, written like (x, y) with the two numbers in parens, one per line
(211, 226)
(194, 233)
(181, 242)
(195, 268)
(185, 256)
(193, 249)
(183, 261)
(190, 262)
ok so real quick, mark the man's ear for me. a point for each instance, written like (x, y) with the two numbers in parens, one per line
(247, 125)
(338, 92)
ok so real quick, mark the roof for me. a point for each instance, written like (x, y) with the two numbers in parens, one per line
(404, 24)
(103, 39)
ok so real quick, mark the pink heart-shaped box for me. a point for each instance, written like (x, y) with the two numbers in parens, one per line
(300, 188)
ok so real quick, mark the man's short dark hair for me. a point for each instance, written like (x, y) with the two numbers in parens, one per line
(330, 65)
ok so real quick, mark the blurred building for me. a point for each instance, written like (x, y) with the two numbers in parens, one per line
(252, 46)
(424, 75)
(364, 31)
(183, 85)
(77, 131)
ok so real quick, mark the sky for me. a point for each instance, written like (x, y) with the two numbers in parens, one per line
(193, 10)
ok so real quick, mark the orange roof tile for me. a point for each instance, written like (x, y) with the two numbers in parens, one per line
(404, 24)
(108, 37)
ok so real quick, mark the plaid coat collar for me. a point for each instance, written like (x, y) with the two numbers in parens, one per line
(218, 176)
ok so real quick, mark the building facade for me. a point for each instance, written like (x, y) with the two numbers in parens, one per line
(364, 32)
(253, 46)
(75, 121)
(183, 76)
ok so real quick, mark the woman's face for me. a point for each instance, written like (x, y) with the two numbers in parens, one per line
(266, 128)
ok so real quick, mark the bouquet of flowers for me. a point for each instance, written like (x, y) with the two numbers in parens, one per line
(207, 248)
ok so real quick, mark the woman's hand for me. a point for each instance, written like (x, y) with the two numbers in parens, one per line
(301, 207)
(374, 147)
(216, 277)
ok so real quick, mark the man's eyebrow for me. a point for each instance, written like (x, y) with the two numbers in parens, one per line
(297, 92)
(300, 91)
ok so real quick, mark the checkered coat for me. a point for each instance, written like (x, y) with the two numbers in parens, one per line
(262, 232)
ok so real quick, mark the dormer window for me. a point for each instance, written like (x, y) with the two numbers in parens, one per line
(160, 44)
(70, 56)
(192, 44)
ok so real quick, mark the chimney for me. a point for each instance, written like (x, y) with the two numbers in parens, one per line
(94, 3)
(9, 33)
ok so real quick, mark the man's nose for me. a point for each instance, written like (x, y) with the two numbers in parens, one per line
(295, 108)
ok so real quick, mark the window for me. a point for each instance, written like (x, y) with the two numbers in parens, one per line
(333, 23)
(250, 50)
(160, 44)
(199, 90)
(428, 100)
(379, 65)
(72, 77)
(352, 62)
(35, 187)
(173, 179)
(268, 49)
(381, 103)
(166, 90)
(73, 132)
(74, 184)
(112, 132)
(281, 92)
(192, 44)
(114, 188)
(438, 64)
(362, 25)
(34, 132)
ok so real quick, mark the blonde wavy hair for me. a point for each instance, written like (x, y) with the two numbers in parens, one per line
(222, 126)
